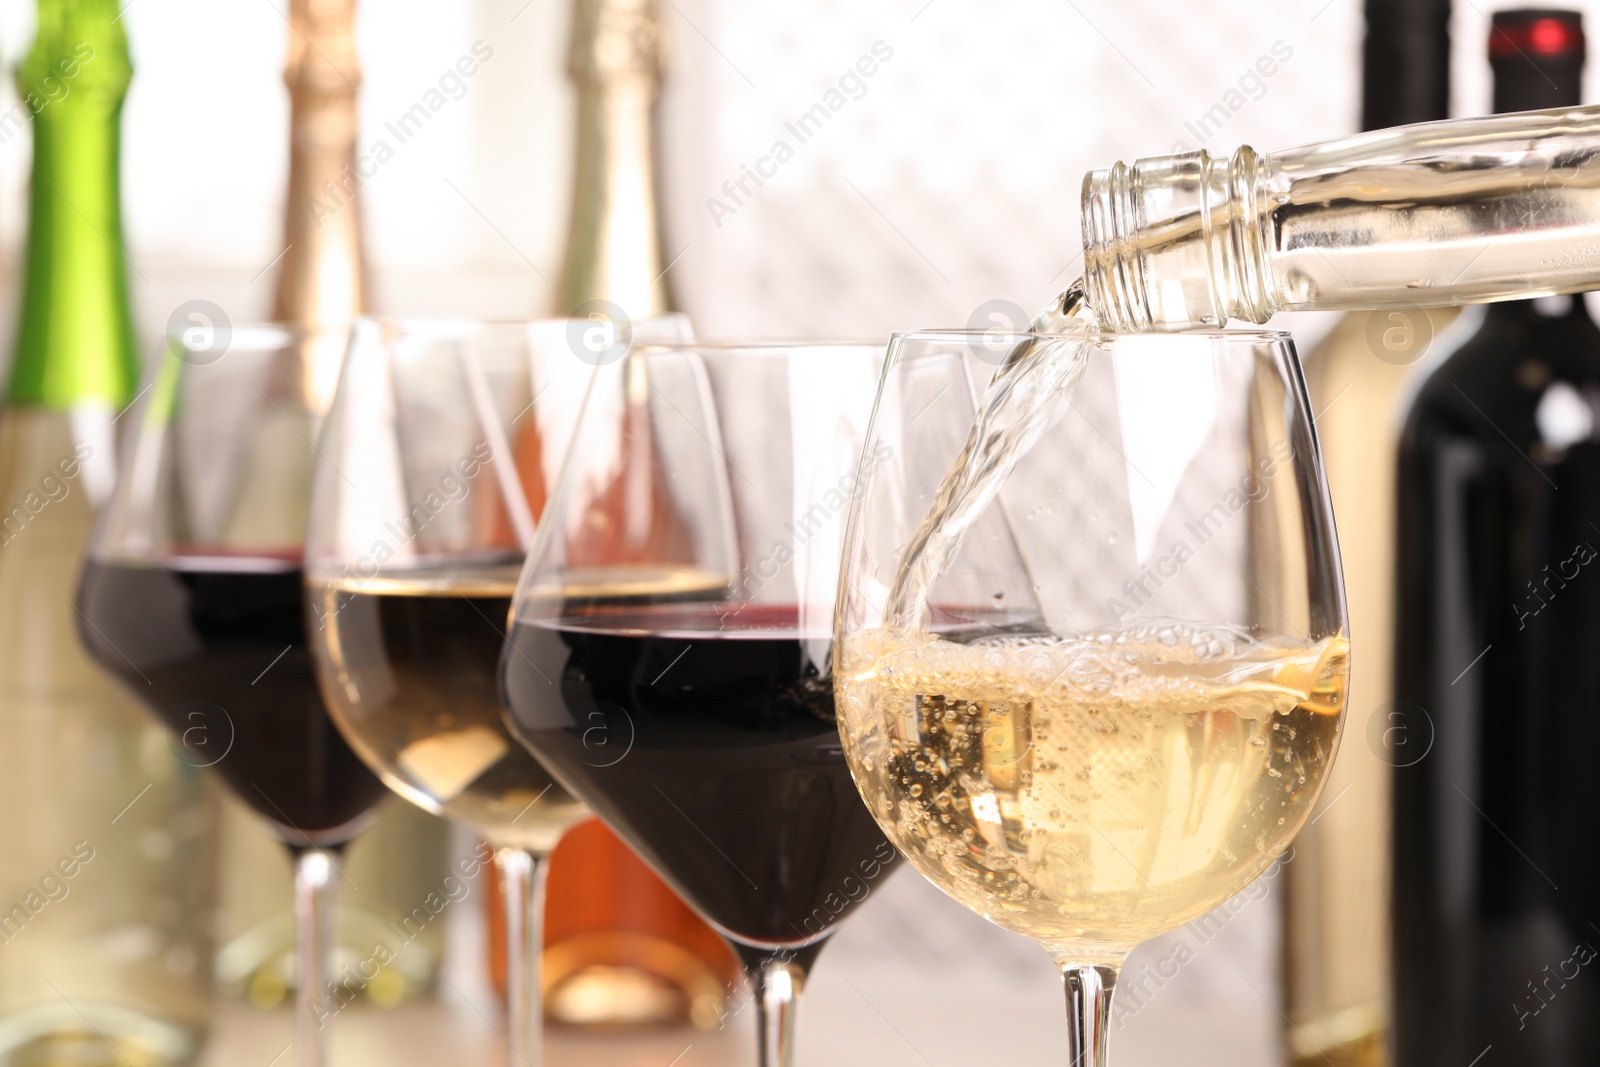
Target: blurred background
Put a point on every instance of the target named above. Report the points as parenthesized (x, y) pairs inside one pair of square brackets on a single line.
[(951, 180), (947, 179)]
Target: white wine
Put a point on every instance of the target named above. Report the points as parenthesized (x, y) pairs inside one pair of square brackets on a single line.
[(409, 664), (1093, 790)]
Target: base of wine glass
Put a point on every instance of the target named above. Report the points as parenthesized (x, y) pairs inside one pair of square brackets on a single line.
[(91, 1033)]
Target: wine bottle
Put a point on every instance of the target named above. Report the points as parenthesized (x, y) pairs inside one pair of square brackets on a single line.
[(1336, 890), (1437, 213), (321, 288), (108, 831), (620, 946), (1496, 885)]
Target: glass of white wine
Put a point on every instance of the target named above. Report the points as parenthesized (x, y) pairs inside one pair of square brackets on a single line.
[(1092, 687), (429, 479)]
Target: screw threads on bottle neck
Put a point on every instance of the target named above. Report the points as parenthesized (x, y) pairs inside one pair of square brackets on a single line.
[(1243, 232), (1175, 242), (1111, 282)]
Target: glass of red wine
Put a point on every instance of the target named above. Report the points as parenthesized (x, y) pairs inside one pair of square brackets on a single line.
[(192, 596), (433, 468), (670, 643)]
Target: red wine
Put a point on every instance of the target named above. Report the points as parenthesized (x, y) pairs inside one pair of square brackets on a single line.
[(1496, 875), (708, 742), (213, 647)]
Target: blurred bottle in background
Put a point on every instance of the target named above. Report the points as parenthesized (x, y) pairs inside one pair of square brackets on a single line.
[(322, 278), (107, 830), (621, 948), (615, 244), (322, 286), (1336, 905), (1496, 876)]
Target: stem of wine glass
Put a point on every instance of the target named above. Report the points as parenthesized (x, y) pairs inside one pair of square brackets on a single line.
[(315, 874), (1089, 987), (522, 880), (778, 980)]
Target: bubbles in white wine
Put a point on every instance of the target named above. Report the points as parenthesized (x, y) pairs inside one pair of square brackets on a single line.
[(1098, 789)]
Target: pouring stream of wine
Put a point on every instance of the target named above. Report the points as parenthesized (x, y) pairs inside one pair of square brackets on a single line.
[(1028, 393)]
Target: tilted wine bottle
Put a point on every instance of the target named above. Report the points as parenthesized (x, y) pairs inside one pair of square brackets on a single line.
[(620, 946), (1336, 889), (107, 829), (1497, 684), (1437, 213), (322, 286)]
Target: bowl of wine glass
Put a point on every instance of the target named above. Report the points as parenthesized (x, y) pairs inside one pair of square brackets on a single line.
[(670, 651), (192, 596), (1091, 644), (442, 438)]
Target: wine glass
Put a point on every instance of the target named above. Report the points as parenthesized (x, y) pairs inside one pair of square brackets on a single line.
[(1114, 701), (669, 653), (191, 595), (442, 439)]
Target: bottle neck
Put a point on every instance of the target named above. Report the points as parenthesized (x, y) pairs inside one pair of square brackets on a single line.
[(1537, 56), (1186, 241), (1405, 63), (1202, 264), (614, 246), (322, 282), (1553, 83), (1435, 214), (1530, 78), (75, 340)]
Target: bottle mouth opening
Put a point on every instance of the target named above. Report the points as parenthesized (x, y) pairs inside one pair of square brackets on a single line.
[(1542, 35)]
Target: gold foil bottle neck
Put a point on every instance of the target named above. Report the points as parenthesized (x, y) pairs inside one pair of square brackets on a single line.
[(322, 47), (614, 244), (322, 283), (613, 39)]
